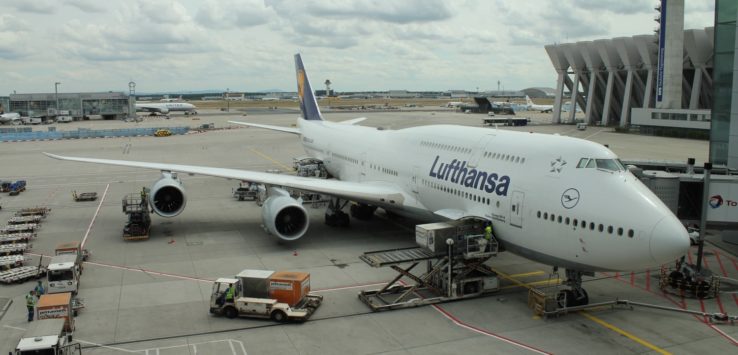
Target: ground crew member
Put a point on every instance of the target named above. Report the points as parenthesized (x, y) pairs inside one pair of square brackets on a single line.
[(39, 289), (229, 293), (488, 232), (30, 304)]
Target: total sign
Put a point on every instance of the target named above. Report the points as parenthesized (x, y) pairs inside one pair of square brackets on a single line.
[(722, 202)]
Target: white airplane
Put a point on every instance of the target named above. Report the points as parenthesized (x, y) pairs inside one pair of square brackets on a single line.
[(534, 107), (453, 104), (558, 200), (10, 118), (166, 107)]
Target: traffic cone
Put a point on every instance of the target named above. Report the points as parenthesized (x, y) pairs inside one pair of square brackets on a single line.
[(171, 241)]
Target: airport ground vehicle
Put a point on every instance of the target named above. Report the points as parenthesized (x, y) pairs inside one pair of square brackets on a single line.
[(73, 248), (47, 336), (281, 296), (246, 191), (56, 305), (581, 126), (85, 196), (136, 206), (5, 185), (17, 187), (162, 133), (63, 274)]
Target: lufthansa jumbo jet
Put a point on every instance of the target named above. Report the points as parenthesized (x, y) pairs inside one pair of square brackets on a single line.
[(561, 201)]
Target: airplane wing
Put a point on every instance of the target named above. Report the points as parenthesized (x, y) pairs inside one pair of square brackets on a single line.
[(266, 126), (377, 193)]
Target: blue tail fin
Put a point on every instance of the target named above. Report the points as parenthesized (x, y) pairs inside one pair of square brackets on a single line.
[(308, 104)]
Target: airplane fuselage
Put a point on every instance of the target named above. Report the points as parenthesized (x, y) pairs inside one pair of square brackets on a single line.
[(545, 200)]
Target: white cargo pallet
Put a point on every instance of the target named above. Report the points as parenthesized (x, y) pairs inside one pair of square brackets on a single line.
[(11, 261), (20, 274), (19, 228), (16, 237), (25, 219), (17, 248)]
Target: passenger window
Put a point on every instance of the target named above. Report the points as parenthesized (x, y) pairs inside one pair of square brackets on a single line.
[(601, 228), (545, 215), (559, 219), (591, 226), (631, 233), (566, 221), (620, 231), (609, 229)]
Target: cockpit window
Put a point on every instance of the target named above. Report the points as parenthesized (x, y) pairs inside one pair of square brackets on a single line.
[(609, 164), (604, 164)]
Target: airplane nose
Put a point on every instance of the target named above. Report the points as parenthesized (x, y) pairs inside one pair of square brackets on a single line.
[(669, 241)]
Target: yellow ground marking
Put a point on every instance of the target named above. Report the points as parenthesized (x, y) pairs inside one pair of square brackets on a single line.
[(526, 274), (589, 316), (287, 168), (623, 333), (552, 282)]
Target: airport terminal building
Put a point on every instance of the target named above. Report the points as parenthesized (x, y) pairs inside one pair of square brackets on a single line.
[(109, 105)]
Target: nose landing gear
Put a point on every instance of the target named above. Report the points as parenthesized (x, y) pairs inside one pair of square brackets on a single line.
[(575, 295)]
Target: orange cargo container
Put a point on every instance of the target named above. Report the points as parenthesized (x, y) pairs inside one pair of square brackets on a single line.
[(56, 305), (289, 286)]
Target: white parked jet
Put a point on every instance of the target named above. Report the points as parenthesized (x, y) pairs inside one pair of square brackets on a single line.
[(534, 107), (166, 107), (10, 118), (561, 201)]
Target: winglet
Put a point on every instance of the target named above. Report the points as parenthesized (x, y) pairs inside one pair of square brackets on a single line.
[(308, 103)]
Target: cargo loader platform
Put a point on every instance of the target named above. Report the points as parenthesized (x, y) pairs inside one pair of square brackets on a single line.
[(454, 254)]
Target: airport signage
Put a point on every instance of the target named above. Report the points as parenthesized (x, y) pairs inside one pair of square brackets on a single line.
[(722, 202)]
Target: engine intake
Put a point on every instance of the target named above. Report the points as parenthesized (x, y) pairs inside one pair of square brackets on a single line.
[(283, 216), (167, 196)]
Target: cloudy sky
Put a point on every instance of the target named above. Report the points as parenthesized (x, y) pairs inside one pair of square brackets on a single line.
[(247, 45)]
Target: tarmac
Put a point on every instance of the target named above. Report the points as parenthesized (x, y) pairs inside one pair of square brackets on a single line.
[(151, 297)]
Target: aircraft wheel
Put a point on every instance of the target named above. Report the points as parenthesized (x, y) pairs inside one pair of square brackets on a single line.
[(279, 316), (675, 279), (230, 312), (701, 289)]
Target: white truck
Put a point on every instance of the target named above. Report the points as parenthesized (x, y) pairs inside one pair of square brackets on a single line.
[(47, 336), (281, 296), (63, 274)]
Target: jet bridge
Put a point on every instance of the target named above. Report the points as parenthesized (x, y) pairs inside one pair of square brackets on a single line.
[(454, 253)]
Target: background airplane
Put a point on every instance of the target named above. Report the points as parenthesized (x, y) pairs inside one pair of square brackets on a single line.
[(534, 107), (10, 118), (166, 107), (558, 200)]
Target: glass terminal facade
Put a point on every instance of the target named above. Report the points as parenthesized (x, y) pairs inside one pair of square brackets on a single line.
[(721, 152)]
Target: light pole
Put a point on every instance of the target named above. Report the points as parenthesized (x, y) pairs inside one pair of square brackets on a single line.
[(228, 101), (56, 96)]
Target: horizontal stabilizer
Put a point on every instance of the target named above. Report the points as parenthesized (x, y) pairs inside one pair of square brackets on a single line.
[(266, 126), (353, 121)]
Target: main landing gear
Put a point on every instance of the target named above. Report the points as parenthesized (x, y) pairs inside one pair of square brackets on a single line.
[(362, 212), (334, 215), (575, 295)]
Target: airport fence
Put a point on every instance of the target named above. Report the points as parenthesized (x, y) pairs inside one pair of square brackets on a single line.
[(25, 135)]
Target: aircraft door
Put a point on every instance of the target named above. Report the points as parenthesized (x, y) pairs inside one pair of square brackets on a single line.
[(414, 180), (516, 209), (479, 150), (363, 167)]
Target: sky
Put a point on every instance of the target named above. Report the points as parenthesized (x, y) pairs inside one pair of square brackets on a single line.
[(248, 45)]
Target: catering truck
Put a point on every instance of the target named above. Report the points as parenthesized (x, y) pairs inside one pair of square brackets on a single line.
[(281, 296)]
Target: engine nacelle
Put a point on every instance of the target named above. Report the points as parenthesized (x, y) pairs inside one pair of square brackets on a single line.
[(283, 216), (167, 196)]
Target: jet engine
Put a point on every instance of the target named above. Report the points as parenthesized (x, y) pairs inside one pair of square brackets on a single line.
[(283, 216), (167, 196)]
